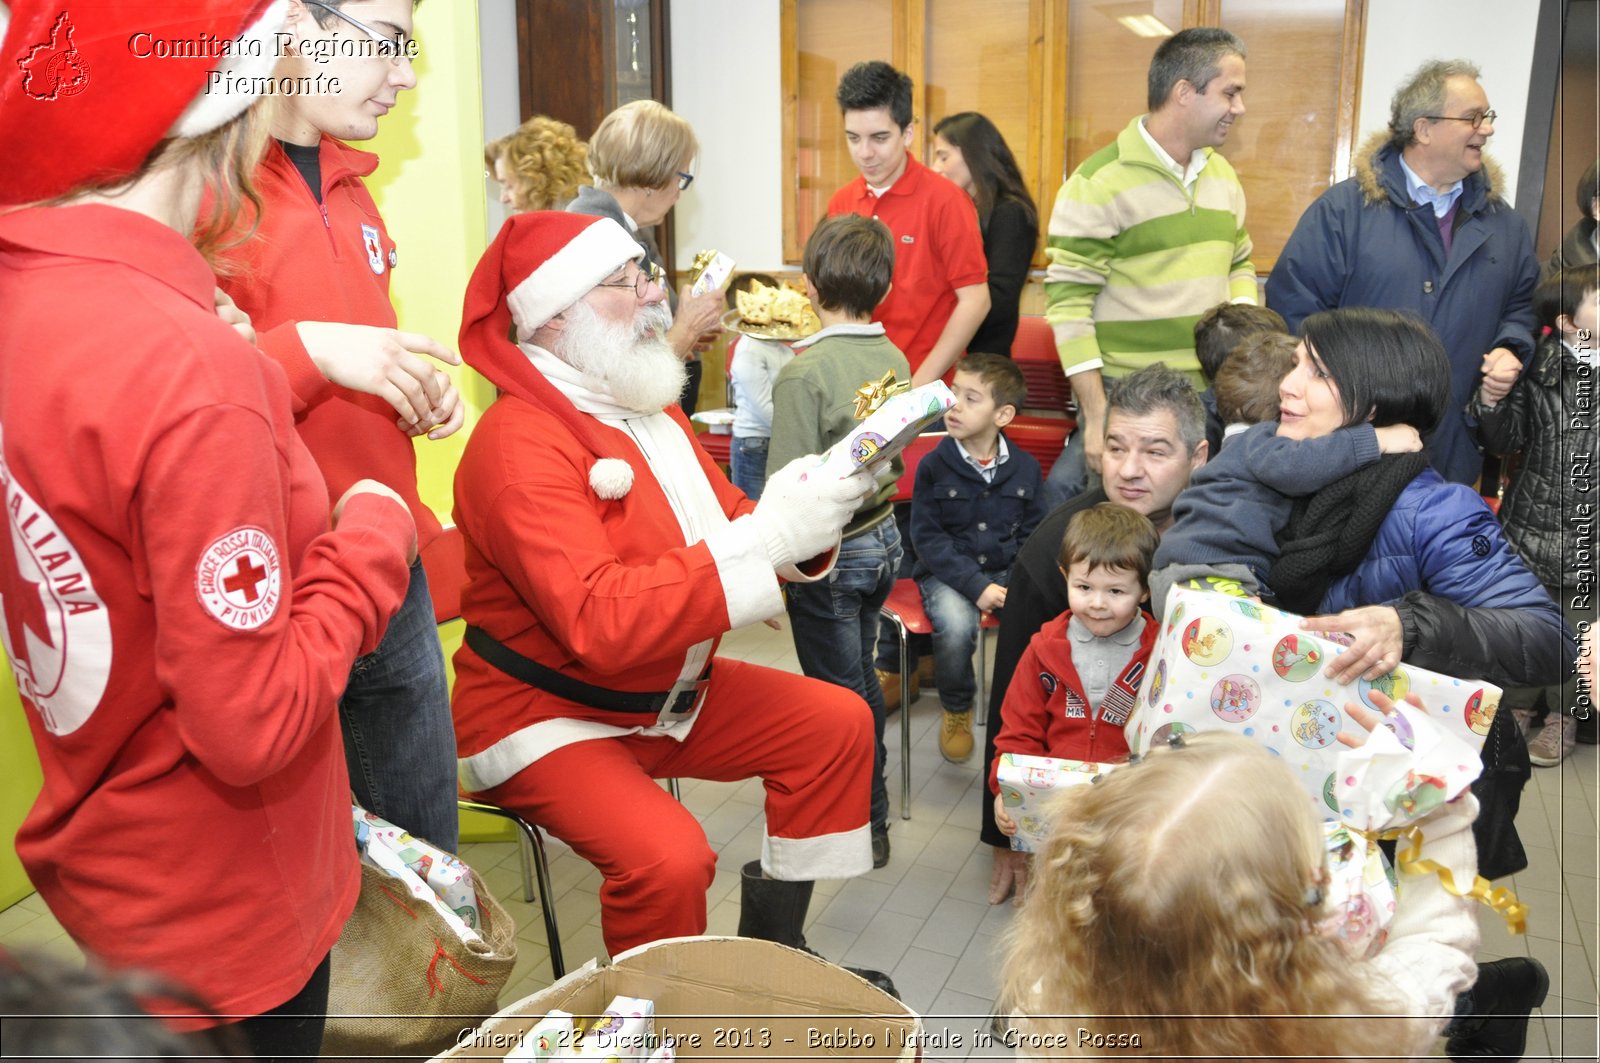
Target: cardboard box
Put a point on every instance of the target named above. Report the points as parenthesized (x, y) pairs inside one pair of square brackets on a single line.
[(723, 998), (1026, 786), (1223, 663)]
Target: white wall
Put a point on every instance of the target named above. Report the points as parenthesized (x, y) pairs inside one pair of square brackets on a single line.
[(502, 108), (726, 81), (1497, 35)]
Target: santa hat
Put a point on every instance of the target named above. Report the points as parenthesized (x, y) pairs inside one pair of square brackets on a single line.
[(87, 90), (540, 264)]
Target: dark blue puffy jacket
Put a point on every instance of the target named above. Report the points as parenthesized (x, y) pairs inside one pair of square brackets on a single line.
[(1482, 613)]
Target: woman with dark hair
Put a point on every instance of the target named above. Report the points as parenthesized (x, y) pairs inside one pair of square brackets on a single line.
[(1416, 571), (1414, 568), (969, 150), (1581, 245)]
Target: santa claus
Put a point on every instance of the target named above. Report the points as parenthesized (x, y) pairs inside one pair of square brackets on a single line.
[(606, 555)]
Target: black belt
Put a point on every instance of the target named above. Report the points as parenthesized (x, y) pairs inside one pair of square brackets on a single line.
[(551, 681)]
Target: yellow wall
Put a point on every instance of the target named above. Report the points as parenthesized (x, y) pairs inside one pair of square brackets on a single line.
[(19, 784), (429, 186)]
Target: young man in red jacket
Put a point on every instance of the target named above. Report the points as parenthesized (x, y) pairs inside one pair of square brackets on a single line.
[(314, 280)]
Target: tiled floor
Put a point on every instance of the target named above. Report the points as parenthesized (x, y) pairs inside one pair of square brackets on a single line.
[(925, 917)]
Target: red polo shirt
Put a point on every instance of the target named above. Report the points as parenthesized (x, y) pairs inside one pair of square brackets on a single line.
[(937, 249)]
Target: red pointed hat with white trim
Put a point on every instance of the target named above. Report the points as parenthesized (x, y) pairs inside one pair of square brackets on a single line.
[(89, 87), (539, 264)]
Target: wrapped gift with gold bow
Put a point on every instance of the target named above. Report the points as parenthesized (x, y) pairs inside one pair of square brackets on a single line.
[(892, 414)]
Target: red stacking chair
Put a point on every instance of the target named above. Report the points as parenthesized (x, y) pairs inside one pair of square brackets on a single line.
[(903, 609), (1047, 417)]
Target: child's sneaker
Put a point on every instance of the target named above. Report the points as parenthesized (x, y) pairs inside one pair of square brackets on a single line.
[(955, 736), (1552, 744), (1524, 718)]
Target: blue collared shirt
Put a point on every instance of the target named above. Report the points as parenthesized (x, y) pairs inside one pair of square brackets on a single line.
[(1421, 192)]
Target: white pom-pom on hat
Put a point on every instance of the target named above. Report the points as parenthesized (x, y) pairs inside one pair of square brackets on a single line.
[(611, 478)]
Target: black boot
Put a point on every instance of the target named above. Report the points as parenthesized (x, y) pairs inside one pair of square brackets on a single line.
[(774, 910), (1496, 1027)]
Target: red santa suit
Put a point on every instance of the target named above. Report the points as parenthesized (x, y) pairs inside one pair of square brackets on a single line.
[(178, 615), (1046, 712), (604, 545)]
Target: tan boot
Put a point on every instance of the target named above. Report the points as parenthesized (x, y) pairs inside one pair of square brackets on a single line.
[(890, 681), (924, 669), (955, 736)]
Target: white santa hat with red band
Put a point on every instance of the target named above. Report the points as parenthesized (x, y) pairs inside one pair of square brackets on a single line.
[(88, 89), (540, 264)]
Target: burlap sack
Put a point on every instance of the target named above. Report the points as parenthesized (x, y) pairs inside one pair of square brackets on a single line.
[(402, 983)]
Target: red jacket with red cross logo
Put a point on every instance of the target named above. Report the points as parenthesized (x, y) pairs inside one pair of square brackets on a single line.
[(178, 616), (327, 262)]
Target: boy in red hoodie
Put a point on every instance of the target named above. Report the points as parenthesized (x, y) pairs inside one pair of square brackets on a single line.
[(314, 279), (1076, 682)]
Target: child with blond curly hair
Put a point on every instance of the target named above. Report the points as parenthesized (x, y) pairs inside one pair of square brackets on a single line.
[(1177, 908)]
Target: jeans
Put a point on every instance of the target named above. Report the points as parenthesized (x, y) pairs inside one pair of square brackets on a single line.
[(399, 741), (1070, 476), (747, 461), (955, 619), (836, 629)]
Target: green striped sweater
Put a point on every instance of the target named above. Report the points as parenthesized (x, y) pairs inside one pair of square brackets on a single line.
[(1135, 259)]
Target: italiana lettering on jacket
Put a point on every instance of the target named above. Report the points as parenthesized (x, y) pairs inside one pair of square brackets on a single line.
[(57, 631)]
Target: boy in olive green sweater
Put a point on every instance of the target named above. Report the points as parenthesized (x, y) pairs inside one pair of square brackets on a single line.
[(849, 261)]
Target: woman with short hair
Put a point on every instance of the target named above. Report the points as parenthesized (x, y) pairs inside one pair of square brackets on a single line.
[(642, 159)]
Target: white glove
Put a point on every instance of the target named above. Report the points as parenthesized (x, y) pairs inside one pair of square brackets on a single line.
[(802, 511)]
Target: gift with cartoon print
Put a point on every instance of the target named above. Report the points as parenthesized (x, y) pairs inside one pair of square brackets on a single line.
[(1029, 784), (1226, 663)]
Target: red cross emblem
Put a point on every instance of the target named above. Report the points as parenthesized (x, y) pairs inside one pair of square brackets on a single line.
[(240, 579), (247, 576)]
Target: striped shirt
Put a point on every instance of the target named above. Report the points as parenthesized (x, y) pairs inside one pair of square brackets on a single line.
[(1135, 258)]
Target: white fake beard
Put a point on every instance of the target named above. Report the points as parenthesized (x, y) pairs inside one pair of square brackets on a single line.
[(633, 364)]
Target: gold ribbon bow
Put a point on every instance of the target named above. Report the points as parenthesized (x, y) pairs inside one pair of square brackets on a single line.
[(875, 393), (1410, 861)]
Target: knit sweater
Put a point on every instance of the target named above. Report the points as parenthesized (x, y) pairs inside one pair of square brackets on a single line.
[(1135, 258), (813, 402)]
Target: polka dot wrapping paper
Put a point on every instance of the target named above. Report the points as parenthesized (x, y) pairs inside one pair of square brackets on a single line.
[(1225, 663)]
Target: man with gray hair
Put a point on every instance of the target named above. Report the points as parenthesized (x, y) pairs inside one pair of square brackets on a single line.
[(1146, 236), (1423, 227)]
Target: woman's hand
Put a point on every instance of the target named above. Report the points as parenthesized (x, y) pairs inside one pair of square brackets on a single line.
[(1377, 641), (233, 317), (382, 490), (698, 316)]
